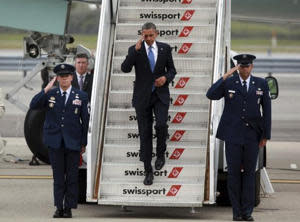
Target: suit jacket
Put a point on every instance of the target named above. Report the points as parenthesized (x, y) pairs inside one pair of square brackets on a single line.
[(243, 110), (144, 78), (68, 122), (87, 84)]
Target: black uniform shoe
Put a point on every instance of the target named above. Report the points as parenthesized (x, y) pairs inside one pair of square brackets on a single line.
[(58, 213), (237, 218), (159, 163), (67, 213), (248, 218), (148, 178)]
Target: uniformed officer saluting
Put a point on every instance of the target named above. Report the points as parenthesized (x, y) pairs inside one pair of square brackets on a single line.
[(245, 126), (65, 134)]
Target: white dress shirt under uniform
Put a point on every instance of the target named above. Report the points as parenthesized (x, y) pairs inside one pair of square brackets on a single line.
[(68, 91), (247, 81)]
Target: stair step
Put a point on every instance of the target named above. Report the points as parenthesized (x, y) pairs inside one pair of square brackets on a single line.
[(180, 83), (109, 200), (179, 49), (182, 65), (168, 3), (128, 117), (168, 32), (174, 154), (134, 172), (161, 15), (158, 194), (130, 135), (123, 99)]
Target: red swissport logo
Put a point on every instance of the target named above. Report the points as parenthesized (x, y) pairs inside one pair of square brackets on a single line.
[(187, 2), (175, 172), (180, 100), (176, 154), (179, 117), (182, 82), (185, 48), (177, 135), (186, 31), (173, 190), (187, 15)]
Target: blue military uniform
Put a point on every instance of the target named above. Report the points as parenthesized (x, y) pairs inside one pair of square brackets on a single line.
[(65, 133), (246, 119)]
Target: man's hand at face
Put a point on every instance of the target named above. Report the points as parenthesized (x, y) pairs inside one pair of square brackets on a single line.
[(50, 85), (138, 45), (160, 81), (230, 72)]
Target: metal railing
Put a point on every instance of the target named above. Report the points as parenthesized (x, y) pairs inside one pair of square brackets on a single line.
[(261, 65), (18, 63)]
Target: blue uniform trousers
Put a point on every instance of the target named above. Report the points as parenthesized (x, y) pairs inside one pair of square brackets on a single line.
[(241, 186), (65, 164), (145, 124)]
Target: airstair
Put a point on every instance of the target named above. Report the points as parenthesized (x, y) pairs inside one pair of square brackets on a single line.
[(189, 27)]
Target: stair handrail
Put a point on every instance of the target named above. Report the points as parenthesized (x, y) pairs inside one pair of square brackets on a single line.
[(216, 107), (99, 98)]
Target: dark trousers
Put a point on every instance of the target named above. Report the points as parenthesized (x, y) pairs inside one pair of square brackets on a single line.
[(241, 186), (64, 164), (145, 124)]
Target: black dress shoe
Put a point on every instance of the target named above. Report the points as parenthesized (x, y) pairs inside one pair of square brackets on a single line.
[(248, 218), (67, 213), (237, 218), (58, 213), (148, 178), (159, 163)]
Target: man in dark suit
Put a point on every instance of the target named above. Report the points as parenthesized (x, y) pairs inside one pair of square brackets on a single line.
[(65, 134), (83, 79), (244, 128), (154, 70)]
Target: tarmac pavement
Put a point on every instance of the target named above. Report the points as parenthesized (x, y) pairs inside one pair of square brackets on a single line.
[(31, 199)]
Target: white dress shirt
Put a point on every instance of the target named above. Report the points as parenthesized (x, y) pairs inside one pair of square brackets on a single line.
[(247, 81), (79, 76), (68, 91), (154, 50)]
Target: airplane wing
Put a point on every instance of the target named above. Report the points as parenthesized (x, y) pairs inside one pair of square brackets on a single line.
[(48, 16)]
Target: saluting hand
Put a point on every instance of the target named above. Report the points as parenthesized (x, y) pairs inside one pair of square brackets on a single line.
[(138, 45), (50, 85), (160, 81), (230, 72)]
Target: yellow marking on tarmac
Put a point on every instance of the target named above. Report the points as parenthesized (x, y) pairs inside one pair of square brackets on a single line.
[(285, 181), (25, 177)]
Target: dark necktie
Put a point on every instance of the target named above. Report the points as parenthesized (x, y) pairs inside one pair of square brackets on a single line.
[(81, 82), (64, 97), (245, 87)]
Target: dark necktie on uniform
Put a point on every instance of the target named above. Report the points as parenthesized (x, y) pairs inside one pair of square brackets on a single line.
[(152, 62), (245, 87), (64, 97), (81, 82)]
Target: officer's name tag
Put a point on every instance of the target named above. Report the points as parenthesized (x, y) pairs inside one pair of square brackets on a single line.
[(77, 102), (231, 91), (259, 92)]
